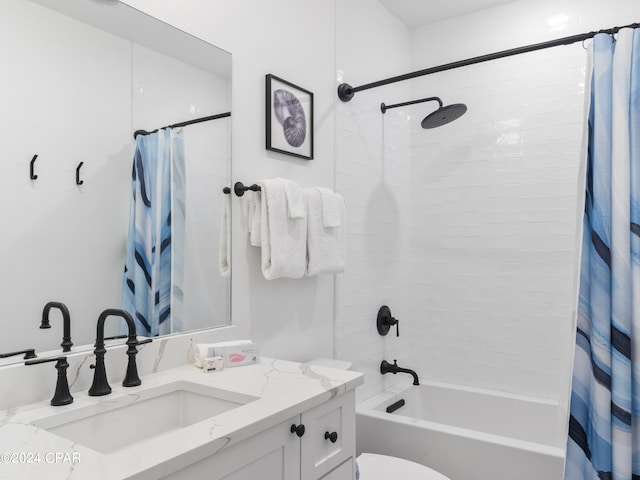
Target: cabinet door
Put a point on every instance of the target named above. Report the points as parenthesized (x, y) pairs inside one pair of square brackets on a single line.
[(271, 455), (329, 438)]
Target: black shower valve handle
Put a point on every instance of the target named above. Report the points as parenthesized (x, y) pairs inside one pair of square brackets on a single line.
[(385, 321), (394, 321)]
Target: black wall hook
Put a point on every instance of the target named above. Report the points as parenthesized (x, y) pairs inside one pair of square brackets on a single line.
[(78, 181), (32, 175)]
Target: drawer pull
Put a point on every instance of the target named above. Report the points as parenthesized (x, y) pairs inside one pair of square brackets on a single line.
[(332, 437), (297, 429)]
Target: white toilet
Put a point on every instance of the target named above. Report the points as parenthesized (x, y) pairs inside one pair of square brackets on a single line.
[(382, 467), (372, 466)]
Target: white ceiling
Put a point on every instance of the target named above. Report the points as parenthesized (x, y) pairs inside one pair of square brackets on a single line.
[(415, 13)]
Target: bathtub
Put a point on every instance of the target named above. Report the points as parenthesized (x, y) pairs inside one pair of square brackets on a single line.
[(465, 433)]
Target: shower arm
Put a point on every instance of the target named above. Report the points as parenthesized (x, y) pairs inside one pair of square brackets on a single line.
[(384, 108)]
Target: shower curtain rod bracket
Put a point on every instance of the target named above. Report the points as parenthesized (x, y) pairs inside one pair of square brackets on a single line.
[(345, 92)]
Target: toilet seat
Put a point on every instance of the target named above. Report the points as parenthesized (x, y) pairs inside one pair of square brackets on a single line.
[(382, 467)]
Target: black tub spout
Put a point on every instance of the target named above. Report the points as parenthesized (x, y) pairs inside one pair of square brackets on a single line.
[(386, 367)]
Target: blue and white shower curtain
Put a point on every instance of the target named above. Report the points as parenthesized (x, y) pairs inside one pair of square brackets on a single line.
[(604, 428), (148, 288)]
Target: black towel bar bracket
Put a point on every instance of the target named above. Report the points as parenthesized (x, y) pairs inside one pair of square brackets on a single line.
[(239, 188)]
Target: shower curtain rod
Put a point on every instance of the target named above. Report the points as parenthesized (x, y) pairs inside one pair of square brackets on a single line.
[(346, 91), (184, 124)]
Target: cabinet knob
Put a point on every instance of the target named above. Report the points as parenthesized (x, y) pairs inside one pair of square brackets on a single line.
[(332, 437), (297, 429)]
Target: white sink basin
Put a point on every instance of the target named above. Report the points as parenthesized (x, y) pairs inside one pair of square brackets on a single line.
[(111, 426)]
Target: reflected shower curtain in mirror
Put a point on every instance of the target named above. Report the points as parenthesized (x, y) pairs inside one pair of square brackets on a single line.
[(149, 289), (604, 432)]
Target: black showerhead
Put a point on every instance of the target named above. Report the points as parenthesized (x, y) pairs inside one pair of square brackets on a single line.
[(444, 115)]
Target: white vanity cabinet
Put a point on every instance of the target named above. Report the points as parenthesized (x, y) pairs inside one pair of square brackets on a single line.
[(319, 455), (325, 451)]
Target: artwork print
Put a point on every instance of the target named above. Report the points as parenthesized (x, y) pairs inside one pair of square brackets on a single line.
[(289, 111)]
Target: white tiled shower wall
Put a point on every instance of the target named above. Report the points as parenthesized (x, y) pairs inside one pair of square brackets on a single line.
[(484, 241), (372, 173), (495, 198)]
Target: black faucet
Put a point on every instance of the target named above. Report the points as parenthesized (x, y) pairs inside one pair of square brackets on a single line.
[(66, 320), (62, 396), (100, 385), (386, 367)]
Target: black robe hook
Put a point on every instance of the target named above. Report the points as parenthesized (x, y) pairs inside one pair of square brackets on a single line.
[(32, 175), (78, 181)]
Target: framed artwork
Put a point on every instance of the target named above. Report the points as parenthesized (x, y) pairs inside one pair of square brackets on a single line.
[(289, 118)]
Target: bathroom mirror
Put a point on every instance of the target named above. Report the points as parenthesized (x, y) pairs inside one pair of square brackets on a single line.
[(79, 77)]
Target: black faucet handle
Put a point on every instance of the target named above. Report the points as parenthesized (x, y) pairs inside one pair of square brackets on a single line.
[(146, 340), (28, 353), (62, 396)]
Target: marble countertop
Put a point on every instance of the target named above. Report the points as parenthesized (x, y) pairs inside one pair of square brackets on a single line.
[(282, 388)]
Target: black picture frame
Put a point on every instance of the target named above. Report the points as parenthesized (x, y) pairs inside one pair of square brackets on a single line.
[(289, 118)]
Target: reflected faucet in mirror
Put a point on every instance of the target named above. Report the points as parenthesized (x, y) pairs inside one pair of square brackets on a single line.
[(66, 323), (28, 353), (100, 385)]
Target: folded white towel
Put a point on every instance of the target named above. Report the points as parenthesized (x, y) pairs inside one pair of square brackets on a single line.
[(254, 218), (296, 206), (283, 239), (326, 246), (224, 252), (331, 204)]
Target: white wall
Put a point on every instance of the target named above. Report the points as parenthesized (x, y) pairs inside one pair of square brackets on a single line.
[(495, 197), (372, 173), (294, 40)]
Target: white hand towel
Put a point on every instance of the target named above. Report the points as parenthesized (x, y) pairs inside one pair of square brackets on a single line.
[(224, 252), (283, 239), (331, 203), (326, 246), (254, 218), (296, 206)]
